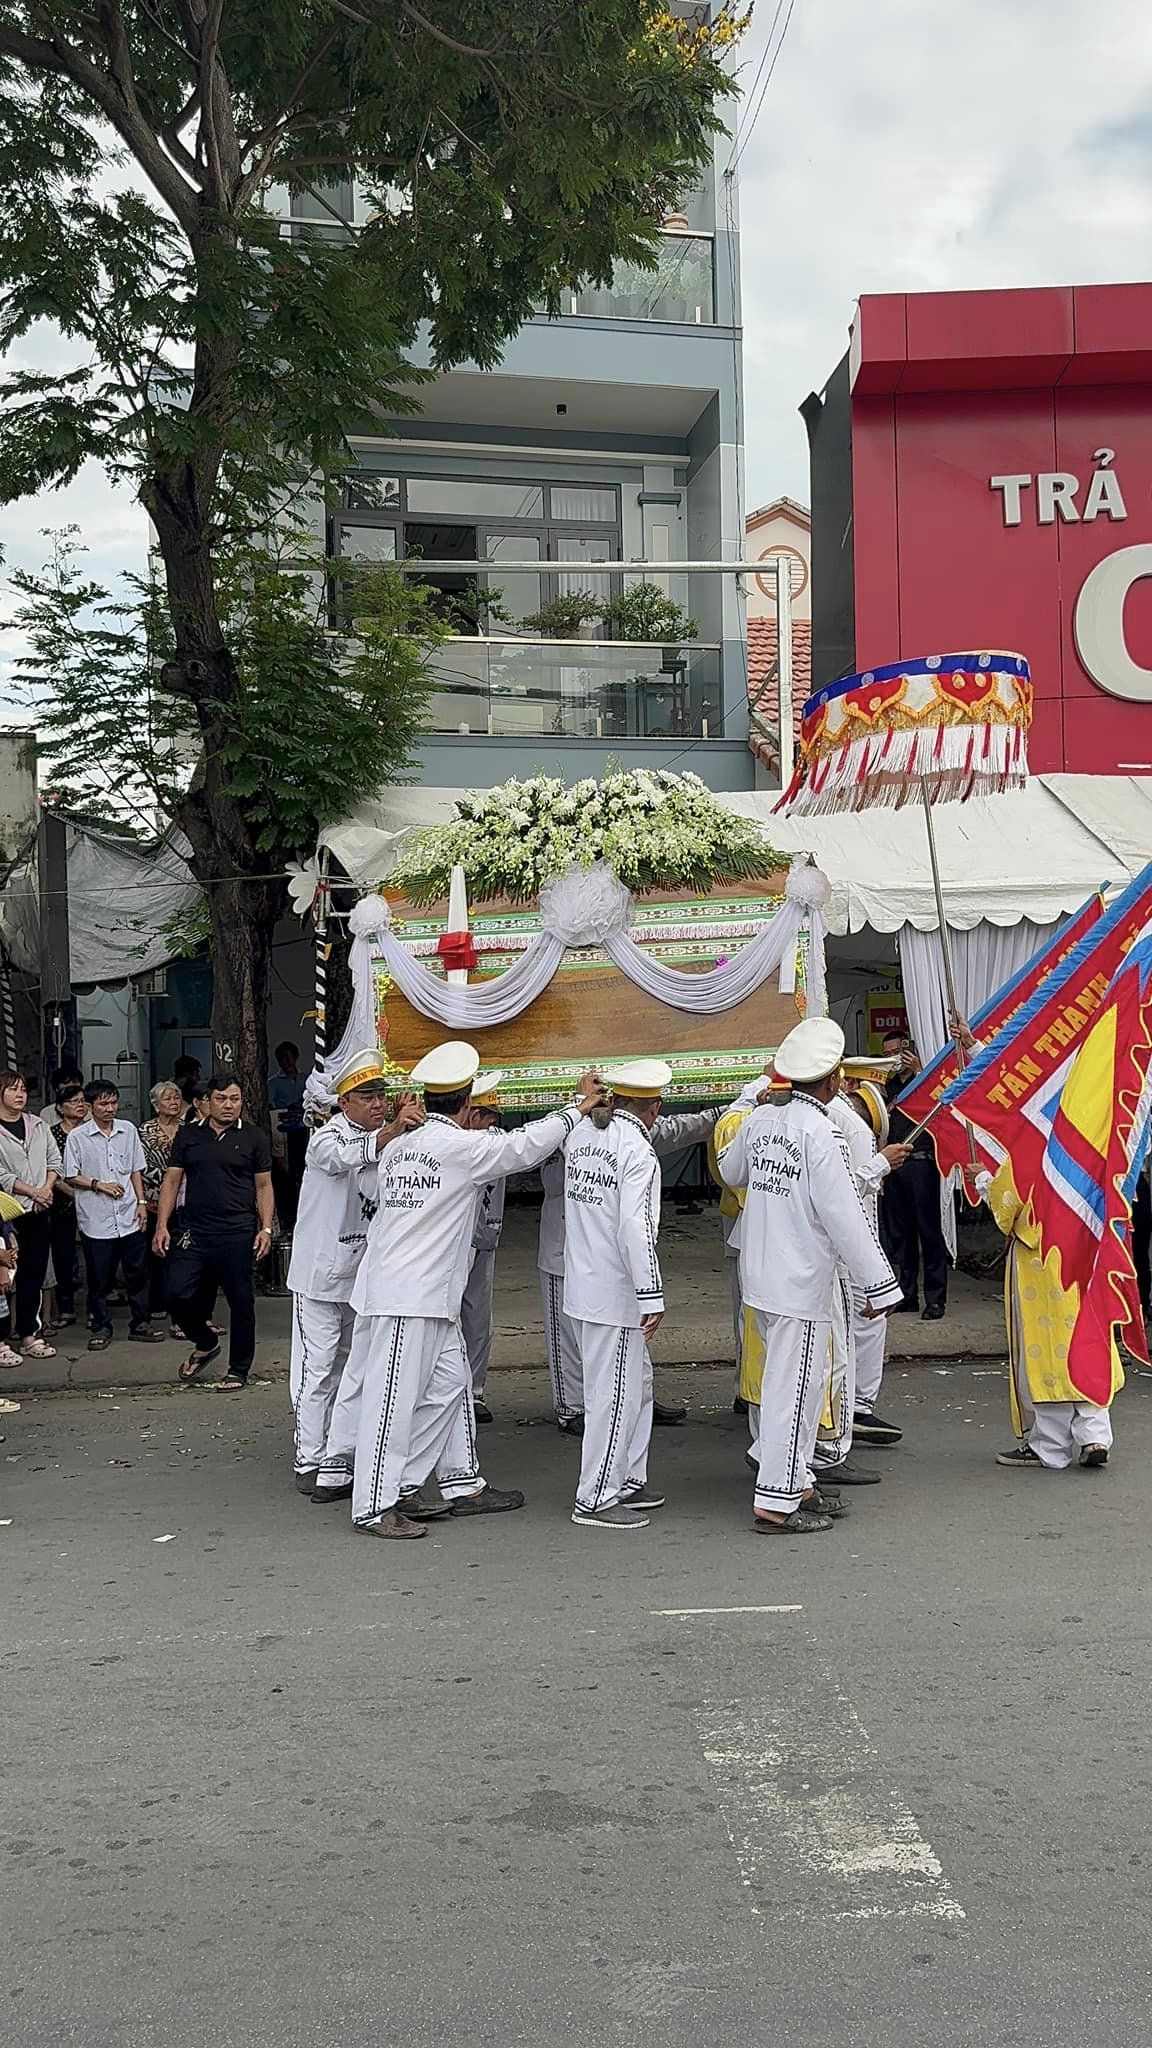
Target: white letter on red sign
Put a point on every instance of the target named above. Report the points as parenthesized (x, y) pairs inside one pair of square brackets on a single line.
[(1011, 487), (1056, 493), (1098, 624)]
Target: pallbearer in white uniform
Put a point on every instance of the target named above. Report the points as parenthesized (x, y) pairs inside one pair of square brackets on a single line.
[(614, 1293), (802, 1219), (476, 1306), (337, 1203), (873, 1159), (417, 1389), (669, 1134)]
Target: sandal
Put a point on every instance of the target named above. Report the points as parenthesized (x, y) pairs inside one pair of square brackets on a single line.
[(231, 1385), (99, 1340), (9, 1360), (190, 1368), (35, 1347), (801, 1522)]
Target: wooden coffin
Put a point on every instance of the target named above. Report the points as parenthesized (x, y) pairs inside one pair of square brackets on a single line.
[(591, 1013)]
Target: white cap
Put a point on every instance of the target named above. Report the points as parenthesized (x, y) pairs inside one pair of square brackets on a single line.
[(484, 1089), (640, 1078), (363, 1069), (446, 1068), (810, 1051)]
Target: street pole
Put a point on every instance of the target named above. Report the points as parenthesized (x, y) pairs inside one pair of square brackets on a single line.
[(784, 666)]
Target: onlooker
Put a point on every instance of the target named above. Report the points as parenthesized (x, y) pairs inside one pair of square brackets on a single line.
[(71, 1111), (9, 1214), (910, 1219), (186, 1074), (30, 1165), (225, 1169), (289, 1135), (104, 1164), (157, 1137)]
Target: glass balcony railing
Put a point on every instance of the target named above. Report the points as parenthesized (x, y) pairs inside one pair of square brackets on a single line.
[(576, 689), (680, 289)]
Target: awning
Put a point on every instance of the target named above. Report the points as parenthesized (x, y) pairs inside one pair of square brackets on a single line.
[(1036, 853)]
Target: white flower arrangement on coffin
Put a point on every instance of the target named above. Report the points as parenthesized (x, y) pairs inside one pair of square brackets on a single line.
[(652, 828)]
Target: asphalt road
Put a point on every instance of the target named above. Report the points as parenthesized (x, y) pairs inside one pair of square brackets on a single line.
[(270, 1783)]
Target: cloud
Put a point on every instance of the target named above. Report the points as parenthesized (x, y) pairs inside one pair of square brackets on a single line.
[(912, 147)]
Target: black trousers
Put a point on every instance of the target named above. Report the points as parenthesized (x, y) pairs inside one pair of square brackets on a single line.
[(197, 1266), (101, 1257), (63, 1220), (912, 1231), (33, 1244)]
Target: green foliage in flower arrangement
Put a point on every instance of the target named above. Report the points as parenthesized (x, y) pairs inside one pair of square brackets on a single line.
[(653, 828)]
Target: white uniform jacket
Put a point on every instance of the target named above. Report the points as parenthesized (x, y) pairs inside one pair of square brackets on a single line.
[(611, 1220), (337, 1203), (420, 1241), (869, 1166), (802, 1215), (669, 1134)]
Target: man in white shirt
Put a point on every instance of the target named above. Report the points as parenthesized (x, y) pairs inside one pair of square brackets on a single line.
[(104, 1167), (614, 1293), (417, 1389), (803, 1222), (562, 1346), (337, 1203), (476, 1305)]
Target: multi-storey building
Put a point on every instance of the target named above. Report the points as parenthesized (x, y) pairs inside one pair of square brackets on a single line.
[(608, 434)]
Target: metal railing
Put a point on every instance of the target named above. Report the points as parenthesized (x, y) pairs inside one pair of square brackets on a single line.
[(681, 289), (576, 689)]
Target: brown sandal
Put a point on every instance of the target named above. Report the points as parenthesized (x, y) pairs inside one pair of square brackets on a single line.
[(801, 1522), (190, 1368)]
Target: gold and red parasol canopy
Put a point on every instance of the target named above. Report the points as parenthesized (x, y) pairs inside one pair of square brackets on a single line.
[(936, 730)]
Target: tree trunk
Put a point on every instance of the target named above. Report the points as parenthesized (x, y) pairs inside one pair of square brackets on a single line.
[(243, 916)]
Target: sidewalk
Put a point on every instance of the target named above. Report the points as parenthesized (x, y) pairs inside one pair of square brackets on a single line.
[(696, 1331)]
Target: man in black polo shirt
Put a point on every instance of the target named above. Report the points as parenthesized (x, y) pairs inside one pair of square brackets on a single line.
[(225, 1168)]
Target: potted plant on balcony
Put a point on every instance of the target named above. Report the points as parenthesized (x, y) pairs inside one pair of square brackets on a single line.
[(568, 617), (645, 612)]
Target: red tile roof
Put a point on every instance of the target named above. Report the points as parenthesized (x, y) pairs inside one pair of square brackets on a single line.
[(763, 691)]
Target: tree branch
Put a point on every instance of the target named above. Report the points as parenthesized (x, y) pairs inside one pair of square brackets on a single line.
[(61, 59), (441, 35)]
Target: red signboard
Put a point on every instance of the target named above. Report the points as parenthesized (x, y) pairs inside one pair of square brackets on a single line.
[(1002, 497)]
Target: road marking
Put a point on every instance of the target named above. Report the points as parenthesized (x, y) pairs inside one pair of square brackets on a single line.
[(814, 1827), (725, 1610)]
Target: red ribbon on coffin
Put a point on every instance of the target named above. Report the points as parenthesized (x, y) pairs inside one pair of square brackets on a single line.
[(457, 951)]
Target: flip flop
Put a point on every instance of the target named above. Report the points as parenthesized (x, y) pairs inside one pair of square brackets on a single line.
[(190, 1368), (230, 1384)]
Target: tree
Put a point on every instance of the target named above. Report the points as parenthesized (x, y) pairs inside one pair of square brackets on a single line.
[(504, 149)]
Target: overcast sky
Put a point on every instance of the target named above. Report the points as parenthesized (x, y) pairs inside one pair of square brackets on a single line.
[(901, 145)]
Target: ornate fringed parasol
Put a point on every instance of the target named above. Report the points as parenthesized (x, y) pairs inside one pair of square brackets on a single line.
[(938, 730)]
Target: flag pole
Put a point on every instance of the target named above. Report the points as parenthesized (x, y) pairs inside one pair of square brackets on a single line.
[(946, 952)]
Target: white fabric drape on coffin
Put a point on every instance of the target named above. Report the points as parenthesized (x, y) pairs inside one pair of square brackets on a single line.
[(983, 959)]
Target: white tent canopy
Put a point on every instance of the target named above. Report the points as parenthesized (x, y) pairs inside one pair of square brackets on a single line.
[(1036, 853)]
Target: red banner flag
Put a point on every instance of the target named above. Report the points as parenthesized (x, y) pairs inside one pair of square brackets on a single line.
[(948, 1131), (1014, 1083)]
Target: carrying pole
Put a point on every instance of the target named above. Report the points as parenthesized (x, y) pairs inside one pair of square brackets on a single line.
[(946, 952)]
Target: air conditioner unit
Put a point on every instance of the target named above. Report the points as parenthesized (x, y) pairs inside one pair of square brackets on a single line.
[(155, 983)]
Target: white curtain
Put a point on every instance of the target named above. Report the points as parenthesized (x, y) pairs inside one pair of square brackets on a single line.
[(983, 959)]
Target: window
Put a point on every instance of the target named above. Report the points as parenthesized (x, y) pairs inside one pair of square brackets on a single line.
[(368, 490), (585, 502), (472, 498), (363, 541)]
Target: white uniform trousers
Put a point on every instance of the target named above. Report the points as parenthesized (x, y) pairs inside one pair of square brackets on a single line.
[(1059, 1430), (476, 1316), (415, 1405), (791, 1404), (562, 1343), (871, 1338), (617, 1413), (321, 1340), (833, 1445), (732, 1261)]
